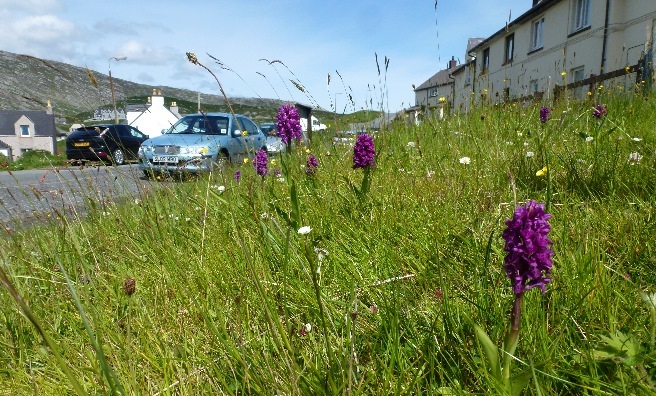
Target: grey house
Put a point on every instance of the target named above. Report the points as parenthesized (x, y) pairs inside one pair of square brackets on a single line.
[(25, 130)]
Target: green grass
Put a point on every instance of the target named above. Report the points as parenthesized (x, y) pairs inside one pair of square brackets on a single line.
[(225, 285)]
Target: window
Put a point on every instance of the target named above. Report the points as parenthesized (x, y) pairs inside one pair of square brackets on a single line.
[(486, 61), (533, 86), (581, 15), (432, 92), (537, 34), (25, 130), (250, 128), (510, 48), (468, 75), (578, 74)]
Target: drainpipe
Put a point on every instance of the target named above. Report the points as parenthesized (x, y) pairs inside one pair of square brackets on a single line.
[(603, 45), (473, 86), (453, 91)]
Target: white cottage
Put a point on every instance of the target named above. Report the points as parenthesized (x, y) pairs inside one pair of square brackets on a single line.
[(154, 117)]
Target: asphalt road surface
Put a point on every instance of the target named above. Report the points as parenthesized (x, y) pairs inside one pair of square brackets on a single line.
[(31, 196)]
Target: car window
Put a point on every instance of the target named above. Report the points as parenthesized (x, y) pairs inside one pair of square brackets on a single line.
[(136, 133), (123, 131), (215, 125), (248, 125)]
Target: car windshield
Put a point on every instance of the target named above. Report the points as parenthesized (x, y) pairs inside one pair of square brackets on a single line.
[(201, 124), (268, 129)]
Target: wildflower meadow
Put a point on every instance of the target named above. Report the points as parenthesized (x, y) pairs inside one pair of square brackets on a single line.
[(508, 250)]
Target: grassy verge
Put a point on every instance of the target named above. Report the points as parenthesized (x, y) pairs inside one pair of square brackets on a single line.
[(206, 285)]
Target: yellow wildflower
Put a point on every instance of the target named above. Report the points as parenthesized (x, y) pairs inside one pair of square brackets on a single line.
[(589, 93), (442, 99), (245, 160), (307, 151), (245, 133), (601, 87), (563, 73), (542, 172), (273, 162)]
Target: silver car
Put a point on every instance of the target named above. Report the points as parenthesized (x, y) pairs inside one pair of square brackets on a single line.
[(201, 142)]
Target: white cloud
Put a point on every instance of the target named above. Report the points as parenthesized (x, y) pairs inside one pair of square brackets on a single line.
[(138, 52), (31, 6), (41, 29)]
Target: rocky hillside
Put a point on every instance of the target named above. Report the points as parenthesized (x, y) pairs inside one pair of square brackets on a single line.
[(28, 83)]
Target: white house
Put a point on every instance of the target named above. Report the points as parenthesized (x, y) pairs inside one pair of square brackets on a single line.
[(154, 117), (557, 44)]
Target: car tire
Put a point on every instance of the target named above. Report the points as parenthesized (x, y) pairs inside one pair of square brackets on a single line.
[(118, 157), (223, 159)]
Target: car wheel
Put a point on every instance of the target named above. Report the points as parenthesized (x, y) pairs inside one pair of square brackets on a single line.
[(118, 158), (223, 159)]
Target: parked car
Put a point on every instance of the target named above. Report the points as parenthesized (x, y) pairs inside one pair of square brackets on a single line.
[(113, 143), (274, 143), (201, 142)]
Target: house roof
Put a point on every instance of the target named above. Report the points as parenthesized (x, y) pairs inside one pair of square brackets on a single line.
[(44, 124), (472, 42), (542, 6), (4, 145), (440, 78)]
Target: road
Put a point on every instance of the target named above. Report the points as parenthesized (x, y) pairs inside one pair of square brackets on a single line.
[(31, 196)]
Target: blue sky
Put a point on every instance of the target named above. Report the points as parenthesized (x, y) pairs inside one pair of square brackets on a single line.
[(311, 38)]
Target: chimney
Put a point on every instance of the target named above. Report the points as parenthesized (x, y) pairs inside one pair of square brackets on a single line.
[(154, 91), (452, 63), (536, 2), (174, 109)]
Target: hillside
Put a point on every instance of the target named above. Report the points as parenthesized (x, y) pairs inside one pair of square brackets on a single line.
[(28, 83)]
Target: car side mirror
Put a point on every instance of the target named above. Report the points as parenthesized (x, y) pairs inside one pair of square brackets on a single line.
[(237, 132)]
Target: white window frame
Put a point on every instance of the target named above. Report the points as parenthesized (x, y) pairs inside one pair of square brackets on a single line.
[(580, 15), (537, 35), (432, 92), (578, 74), (24, 128), (533, 87), (509, 48)]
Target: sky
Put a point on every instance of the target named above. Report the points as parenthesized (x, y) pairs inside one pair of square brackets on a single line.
[(373, 51)]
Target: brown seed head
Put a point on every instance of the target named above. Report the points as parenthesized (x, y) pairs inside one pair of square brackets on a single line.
[(192, 58), (130, 286)]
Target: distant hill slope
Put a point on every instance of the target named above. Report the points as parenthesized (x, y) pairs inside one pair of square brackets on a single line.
[(27, 83)]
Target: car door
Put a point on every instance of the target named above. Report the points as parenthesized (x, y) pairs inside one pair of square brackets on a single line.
[(135, 139), (254, 140), (129, 143), (238, 148)]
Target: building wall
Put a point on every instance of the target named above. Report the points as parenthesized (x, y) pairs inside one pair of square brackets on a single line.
[(20, 144), (431, 96), (154, 119), (564, 51)]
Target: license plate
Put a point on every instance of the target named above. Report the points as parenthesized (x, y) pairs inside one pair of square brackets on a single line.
[(81, 144), (169, 159)]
